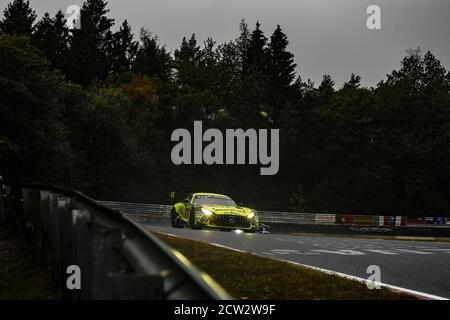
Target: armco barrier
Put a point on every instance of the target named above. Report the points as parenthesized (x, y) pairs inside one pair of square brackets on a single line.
[(162, 212), (118, 259)]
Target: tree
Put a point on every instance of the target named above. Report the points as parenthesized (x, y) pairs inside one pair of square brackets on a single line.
[(194, 99), (281, 65), (242, 42), (33, 141), (251, 104), (354, 82), (186, 63), (152, 59), (18, 18), (123, 49), (109, 141), (255, 60), (326, 87), (89, 56), (413, 115), (53, 37), (281, 69)]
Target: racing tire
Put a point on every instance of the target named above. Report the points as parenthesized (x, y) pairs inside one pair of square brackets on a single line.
[(175, 219), (192, 223)]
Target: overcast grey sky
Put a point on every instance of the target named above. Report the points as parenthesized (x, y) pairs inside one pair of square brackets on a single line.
[(326, 36)]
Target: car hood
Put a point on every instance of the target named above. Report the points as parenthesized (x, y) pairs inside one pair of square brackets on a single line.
[(228, 210)]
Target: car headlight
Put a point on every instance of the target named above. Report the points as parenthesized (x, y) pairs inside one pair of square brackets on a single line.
[(206, 212), (251, 215)]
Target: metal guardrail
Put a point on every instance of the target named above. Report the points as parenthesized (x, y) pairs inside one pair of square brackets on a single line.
[(118, 259), (162, 213), (139, 208), (293, 217)]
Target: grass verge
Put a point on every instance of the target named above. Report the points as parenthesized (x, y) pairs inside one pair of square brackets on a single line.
[(20, 277), (247, 276)]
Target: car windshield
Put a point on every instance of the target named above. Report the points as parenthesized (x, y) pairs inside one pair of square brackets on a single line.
[(213, 200)]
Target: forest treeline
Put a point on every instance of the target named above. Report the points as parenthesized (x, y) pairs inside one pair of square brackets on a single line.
[(94, 108)]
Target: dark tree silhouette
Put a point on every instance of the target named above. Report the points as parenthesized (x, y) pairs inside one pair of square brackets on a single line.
[(18, 18), (53, 37), (89, 56), (123, 49), (152, 59)]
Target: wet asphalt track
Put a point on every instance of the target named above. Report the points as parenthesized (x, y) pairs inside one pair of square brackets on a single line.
[(415, 265)]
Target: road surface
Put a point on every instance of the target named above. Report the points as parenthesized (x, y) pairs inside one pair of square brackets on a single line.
[(414, 265)]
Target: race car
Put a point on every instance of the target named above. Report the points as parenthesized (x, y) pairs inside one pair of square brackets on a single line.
[(210, 210)]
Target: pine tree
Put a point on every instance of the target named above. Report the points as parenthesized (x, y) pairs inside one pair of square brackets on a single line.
[(252, 103), (354, 82), (243, 42), (281, 73), (18, 18), (53, 37), (189, 51), (90, 46), (123, 49), (255, 60), (434, 72), (326, 87), (282, 65), (152, 59), (187, 60)]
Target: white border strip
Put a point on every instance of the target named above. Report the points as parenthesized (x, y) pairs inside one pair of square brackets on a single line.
[(335, 273), (229, 248), (213, 244)]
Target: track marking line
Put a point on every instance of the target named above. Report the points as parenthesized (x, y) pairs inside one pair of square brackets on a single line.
[(213, 244), (439, 250), (170, 234), (385, 285), (383, 252), (342, 252), (229, 248), (414, 251)]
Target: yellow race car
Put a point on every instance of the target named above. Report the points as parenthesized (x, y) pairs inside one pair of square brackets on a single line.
[(212, 210)]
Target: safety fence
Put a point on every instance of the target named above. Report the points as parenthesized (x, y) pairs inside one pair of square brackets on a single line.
[(116, 257), (162, 212)]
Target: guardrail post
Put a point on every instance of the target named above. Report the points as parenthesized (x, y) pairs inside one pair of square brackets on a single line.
[(8, 210), (67, 250), (82, 238), (2, 207), (44, 221), (28, 215), (55, 241), (36, 235), (105, 249), (17, 222)]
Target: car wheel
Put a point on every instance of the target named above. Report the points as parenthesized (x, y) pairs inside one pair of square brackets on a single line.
[(175, 219), (192, 222)]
